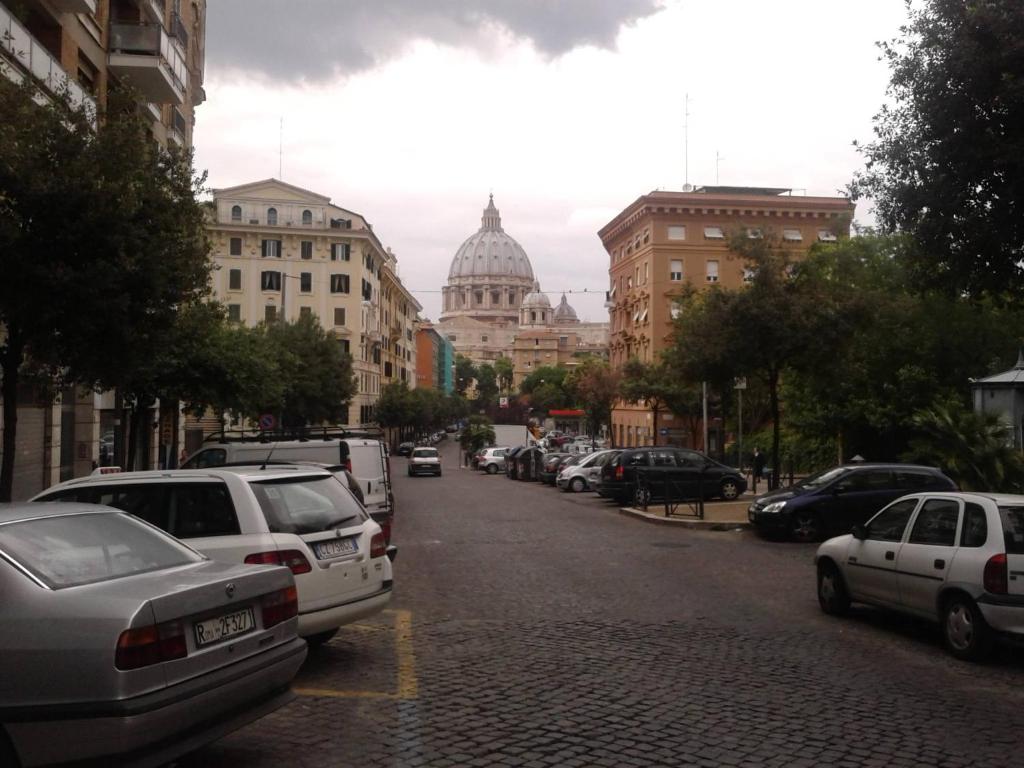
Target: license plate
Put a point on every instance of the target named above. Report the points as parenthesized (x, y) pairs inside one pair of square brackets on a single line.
[(335, 548), (223, 627)]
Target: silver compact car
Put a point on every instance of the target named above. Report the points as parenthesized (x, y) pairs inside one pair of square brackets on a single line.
[(425, 461), (954, 558), (585, 474), (121, 645)]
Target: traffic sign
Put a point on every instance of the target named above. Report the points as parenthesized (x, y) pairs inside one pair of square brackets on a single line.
[(267, 421)]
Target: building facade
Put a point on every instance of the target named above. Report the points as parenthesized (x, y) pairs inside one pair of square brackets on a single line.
[(91, 48), (283, 252), (435, 359), (667, 239)]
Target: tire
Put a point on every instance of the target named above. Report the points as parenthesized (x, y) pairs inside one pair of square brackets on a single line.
[(439, 473), (804, 526), (641, 496), (578, 485), (832, 595), (8, 757), (492, 469), (964, 630), (729, 490), (320, 638)]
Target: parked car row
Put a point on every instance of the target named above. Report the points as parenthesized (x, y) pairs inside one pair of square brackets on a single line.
[(182, 602)]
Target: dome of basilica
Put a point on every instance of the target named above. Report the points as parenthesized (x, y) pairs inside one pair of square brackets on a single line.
[(564, 313), (491, 252), (536, 299)]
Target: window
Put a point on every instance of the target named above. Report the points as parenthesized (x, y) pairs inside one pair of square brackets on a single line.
[(307, 218), (271, 249), (341, 252), (235, 280), (936, 523), (496, 298), (236, 213), (675, 270), (306, 249), (235, 246), (563, 341), (866, 480), (1013, 529), (792, 235), (825, 236), (387, 369), (643, 316), (711, 275), (201, 509), (270, 313), (344, 342), (272, 216), (675, 310), (975, 532), (748, 275), (754, 233), (235, 313), (478, 298), (888, 525), (714, 233), (483, 337), (367, 290), (306, 282), (270, 281), (340, 283), (645, 271), (663, 458), (339, 316)]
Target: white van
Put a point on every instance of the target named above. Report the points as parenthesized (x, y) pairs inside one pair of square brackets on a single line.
[(365, 458)]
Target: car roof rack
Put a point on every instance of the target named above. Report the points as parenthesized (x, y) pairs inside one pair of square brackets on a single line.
[(292, 433)]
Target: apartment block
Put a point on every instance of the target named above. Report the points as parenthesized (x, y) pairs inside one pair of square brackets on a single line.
[(400, 312), (667, 239)]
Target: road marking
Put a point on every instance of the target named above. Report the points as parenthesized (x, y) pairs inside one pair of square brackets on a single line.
[(407, 687)]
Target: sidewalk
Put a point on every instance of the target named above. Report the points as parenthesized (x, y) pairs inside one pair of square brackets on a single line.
[(718, 515)]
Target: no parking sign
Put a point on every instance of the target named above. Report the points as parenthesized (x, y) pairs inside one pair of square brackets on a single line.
[(267, 421)]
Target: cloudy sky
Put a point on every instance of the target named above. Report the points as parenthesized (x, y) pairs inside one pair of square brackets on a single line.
[(411, 111)]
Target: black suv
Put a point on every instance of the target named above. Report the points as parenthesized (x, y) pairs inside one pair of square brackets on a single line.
[(680, 473), (833, 501)]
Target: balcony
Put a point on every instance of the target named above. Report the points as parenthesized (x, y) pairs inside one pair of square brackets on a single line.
[(28, 56), (147, 57), (154, 8), (178, 130), (178, 30), (74, 6)]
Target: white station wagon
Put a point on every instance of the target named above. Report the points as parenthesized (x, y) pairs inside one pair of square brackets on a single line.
[(954, 558)]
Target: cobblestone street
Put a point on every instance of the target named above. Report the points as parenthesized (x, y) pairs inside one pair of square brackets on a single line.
[(536, 628)]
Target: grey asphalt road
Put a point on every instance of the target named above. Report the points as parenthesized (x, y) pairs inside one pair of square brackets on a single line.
[(536, 628)]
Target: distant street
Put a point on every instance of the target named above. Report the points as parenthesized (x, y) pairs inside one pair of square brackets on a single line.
[(536, 628)]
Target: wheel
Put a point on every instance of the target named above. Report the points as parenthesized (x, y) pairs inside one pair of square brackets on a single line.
[(804, 526), (492, 469), (439, 473), (964, 629), (315, 641), (641, 496), (832, 595), (729, 490), (578, 485)]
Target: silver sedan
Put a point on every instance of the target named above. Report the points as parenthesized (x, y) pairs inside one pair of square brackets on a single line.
[(118, 639)]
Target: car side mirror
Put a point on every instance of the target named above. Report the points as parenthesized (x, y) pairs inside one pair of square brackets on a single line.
[(859, 532)]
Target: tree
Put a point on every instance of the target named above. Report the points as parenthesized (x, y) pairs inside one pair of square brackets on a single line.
[(394, 407), (486, 383), (465, 373), (478, 434), (976, 450), (102, 242), (775, 323), (595, 386), (504, 371), (317, 379), (947, 162)]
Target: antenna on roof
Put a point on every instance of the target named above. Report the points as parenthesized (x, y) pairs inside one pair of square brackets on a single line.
[(269, 454)]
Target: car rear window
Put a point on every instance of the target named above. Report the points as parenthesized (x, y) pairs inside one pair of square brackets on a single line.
[(306, 505), (72, 550), (425, 453), (1013, 529)]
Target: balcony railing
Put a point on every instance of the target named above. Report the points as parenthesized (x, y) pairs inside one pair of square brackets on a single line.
[(148, 43), (20, 46)]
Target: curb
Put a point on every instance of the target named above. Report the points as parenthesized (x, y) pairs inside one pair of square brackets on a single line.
[(701, 525)]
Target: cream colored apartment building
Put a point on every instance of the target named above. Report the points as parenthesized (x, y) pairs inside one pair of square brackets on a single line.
[(91, 47), (282, 252), (667, 239)]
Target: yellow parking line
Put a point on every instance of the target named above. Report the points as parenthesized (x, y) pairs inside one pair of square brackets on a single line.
[(408, 685)]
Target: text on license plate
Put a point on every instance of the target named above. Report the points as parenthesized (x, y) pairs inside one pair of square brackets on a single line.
[(335, 547), (222, 627)]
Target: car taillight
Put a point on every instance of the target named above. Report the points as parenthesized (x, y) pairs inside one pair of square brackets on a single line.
[(279, 606), (145, 646), (291, 558), (385, 528), (348, 465), (378, 545), (620, 472), (996, 578)]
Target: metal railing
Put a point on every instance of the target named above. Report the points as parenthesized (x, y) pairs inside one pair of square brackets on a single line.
[(672, 494), (20, 46)]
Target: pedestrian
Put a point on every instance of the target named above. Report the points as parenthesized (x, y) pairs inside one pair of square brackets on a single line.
[(759, 462), (183, 457)]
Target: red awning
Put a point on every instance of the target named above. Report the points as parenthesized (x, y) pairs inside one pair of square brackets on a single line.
[(567, 412)]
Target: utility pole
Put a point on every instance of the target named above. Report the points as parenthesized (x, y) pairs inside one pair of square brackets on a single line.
[(704, 403)]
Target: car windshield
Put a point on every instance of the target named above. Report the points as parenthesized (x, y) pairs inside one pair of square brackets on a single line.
[(425, 453), (821, 479), (306, 504), (572, 460), (1013, 529), (76, 549)]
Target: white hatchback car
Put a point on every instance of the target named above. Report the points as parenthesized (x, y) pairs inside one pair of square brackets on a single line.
[(955, 558), (300, 517)]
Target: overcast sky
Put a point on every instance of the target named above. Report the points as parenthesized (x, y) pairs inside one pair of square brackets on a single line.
[(411, 111)]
